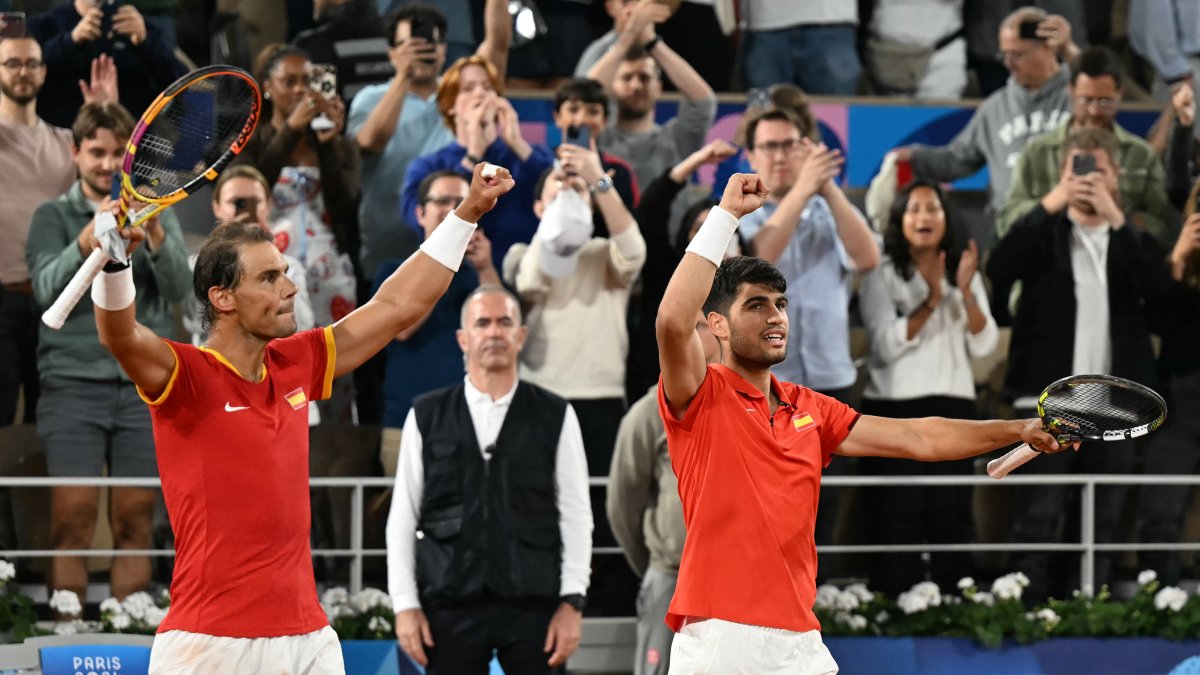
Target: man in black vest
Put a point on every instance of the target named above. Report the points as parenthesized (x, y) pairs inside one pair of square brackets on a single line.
[(489, 536)]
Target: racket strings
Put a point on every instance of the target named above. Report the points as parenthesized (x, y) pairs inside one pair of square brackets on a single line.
[(192, 132), (1095, 407)]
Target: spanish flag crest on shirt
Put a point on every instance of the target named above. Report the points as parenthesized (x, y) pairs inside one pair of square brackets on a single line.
[(296, 398), (802, 421)]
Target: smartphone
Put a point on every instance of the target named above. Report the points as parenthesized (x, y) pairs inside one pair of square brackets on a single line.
[(12, 24), (579, 135), (108, 8), (1027, 30), (324, 80), (1083, 164), (428, 31), (245, 209)]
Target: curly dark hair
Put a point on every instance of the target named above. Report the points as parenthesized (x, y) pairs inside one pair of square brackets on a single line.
[(896, 246)]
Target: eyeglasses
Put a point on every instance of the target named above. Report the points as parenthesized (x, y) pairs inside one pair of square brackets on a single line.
[(445, 201), (1100, 103), (771, 147), (15, 65), (1014, 56)]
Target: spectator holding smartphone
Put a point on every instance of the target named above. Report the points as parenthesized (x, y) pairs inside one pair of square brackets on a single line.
[(395, 122), (1096, 88), (314, 194), (74, 33), (1088, 279)]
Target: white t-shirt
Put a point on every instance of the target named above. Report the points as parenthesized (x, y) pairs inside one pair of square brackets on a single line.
[(776, 14), (1089, 266)]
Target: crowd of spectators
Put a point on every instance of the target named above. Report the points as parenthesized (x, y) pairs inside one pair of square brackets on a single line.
[(1096, 257)]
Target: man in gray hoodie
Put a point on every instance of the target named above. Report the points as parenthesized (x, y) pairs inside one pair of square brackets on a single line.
[(1034, 101)]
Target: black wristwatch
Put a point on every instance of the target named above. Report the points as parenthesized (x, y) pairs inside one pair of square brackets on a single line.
[(576, 600)]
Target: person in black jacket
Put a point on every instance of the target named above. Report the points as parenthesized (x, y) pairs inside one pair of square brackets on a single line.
[(1175, 449), (1086, 275), (663, 253), (73, 34)]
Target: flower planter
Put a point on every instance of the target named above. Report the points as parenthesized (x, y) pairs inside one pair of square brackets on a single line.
[(959, 656)]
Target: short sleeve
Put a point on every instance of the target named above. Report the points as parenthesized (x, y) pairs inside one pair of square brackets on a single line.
[(703, 394), (837, 419), (315, 351), (178, 379), (324, 359)]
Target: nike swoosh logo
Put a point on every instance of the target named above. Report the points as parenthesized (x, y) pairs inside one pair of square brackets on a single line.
[(231, 408)]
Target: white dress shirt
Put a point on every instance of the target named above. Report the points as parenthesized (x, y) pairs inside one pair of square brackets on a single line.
[(936, 361), (487, 416)]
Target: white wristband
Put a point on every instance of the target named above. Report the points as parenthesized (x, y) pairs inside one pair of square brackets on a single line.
[(712, 239), (448, 243), (114, 291)]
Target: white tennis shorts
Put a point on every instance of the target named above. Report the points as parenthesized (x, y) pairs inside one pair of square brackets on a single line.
[(176, 652), (719, 647)]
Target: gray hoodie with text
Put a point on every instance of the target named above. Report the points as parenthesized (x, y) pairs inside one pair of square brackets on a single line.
[(998, 131)]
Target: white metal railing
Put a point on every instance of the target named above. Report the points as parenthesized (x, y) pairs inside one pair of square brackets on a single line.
[(1087, 546)]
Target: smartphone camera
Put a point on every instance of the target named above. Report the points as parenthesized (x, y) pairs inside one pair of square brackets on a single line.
[(324, 82), (12, 24), (428, 31), (579, 135), (244, 209), (1083, 164), (1027, 30)]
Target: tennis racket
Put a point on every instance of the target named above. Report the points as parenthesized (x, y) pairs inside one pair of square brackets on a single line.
[(183, 140), (1089, 408)]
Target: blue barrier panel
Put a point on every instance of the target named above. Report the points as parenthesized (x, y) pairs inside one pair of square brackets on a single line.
[(864, 131), (95, 660), (1059, 656)]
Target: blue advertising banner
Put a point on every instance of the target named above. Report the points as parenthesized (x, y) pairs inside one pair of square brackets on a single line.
[(865, 132), (95, 660)]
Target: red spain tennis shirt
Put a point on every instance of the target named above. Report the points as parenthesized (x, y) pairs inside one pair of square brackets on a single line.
[(233, 457), (749, 482)]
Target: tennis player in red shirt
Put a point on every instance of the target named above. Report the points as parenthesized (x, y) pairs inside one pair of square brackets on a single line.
[(748, 450), (231, 431)]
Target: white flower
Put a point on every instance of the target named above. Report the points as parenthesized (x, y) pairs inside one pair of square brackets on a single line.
[(1170, 597), (370, 598), (984, 598), (334, 597), (920, 597), (965, 583), (65, 602), (111, 606), (1147, 577), (1010, 586), (138, 605), (911, 603), (861, 592), (7, 571), (339, 611), (378, 624), (882, 617), (120, 621), (855, 621), (155, 616), (846, 601), (67, 627), (1048, 617), (827, 595)]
